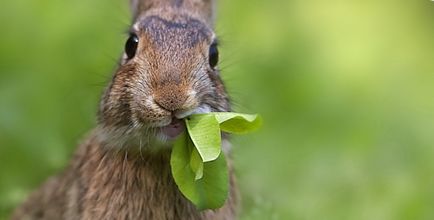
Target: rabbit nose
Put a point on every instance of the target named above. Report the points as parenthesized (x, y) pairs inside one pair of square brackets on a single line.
[(170, 98)]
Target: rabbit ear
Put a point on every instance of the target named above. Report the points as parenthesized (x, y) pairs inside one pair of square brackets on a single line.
[(139, 6), (133, 6), (207, 10), (204, 8)]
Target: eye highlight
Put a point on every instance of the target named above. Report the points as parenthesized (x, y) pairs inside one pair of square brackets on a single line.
[(213, 56), (131, 46)]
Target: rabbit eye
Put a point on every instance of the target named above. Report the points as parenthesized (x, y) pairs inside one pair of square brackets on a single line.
[(131, 45), (213, 55)]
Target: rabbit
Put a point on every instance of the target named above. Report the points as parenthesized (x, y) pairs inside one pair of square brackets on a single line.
[(167, 72)]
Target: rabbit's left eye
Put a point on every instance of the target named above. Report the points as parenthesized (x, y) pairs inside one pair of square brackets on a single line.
[(131, 45)]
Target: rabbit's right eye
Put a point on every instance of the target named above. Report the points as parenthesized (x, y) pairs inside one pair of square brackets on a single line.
[(131, 45), (213, 55)]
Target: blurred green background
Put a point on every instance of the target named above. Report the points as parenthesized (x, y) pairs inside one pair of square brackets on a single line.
[(346, 89)]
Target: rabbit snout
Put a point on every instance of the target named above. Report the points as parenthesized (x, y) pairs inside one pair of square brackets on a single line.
[(171, 97)]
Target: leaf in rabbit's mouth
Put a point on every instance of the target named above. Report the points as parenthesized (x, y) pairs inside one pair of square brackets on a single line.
[(198, 166)]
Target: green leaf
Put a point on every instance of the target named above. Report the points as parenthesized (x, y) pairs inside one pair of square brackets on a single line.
[(208, 192), (198, 166), (196, 163), (237, 123), (204, 131)]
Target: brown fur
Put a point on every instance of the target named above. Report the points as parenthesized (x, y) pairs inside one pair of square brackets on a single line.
[(103, 184), (122, 171)]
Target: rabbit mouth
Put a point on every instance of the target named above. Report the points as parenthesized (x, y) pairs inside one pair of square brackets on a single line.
[(174, 129), (161, 134), (171, 131)]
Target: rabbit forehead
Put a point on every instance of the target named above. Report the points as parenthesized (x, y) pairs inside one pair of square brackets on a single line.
[(172, 49), (179, 31)]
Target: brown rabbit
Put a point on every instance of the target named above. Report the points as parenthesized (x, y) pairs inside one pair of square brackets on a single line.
[(122, 170)]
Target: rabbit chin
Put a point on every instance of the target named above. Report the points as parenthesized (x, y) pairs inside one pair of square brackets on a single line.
[(134, 139)]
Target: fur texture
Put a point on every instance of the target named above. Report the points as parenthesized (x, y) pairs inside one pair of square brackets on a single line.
[(104, 184), (122, 170)]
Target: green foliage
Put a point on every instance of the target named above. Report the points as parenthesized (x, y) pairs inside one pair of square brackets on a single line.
[(204, 131), (198, 166), (237, 123), (211, 189)]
